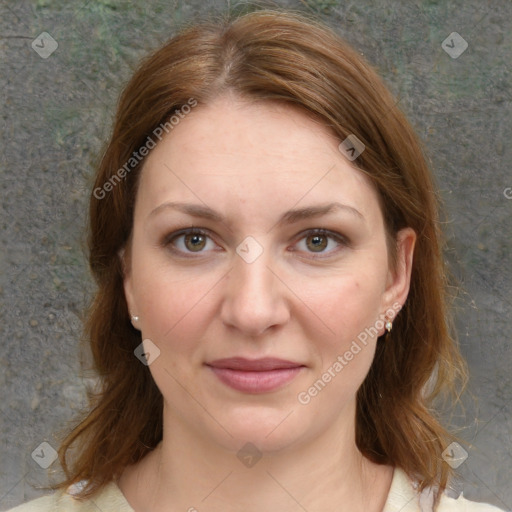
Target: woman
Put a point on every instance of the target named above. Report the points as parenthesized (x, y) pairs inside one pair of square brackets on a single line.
[(270, 322)]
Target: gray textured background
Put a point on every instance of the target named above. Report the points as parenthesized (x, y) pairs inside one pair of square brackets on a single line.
[(57, 113)]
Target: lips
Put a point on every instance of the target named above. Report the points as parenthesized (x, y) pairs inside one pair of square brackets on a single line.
[(253, 365), (256, 375)]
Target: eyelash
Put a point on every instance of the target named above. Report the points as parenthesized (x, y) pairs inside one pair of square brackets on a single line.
[(168, 240)]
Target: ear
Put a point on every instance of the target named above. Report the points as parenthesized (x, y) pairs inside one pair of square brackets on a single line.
[(124, 259), (399, 278)]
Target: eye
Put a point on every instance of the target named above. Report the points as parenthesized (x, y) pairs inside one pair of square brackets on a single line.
[(195, 240), (321, 241), (189, 241)]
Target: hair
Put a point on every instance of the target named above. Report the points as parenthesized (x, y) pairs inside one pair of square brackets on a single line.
[(285, 57)]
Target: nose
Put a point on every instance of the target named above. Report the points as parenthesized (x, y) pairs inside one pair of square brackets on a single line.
[(255, 299)]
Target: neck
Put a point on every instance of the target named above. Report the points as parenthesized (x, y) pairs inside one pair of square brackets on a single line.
[(185, 472)]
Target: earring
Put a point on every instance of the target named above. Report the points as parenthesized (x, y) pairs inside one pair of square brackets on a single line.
[(135, 319), (388, 326)]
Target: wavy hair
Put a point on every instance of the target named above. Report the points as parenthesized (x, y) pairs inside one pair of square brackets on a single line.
[(281, 56)]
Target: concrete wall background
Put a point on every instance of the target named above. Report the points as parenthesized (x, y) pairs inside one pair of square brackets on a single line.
[(57, 112)]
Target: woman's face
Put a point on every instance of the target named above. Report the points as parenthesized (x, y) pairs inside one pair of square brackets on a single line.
[(229, 273)]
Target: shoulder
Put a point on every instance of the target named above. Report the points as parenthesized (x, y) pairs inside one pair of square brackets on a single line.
[(461, 504), (45, 503), (110, 499), (403, 497)]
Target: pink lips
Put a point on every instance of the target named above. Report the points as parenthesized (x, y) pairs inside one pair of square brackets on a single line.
[(256, 375)]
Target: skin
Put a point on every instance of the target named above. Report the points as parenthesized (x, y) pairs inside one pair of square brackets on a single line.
[(251, 162)]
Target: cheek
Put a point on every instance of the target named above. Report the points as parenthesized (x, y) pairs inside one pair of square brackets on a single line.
[(173, 309), (346, 304), (349, 306)]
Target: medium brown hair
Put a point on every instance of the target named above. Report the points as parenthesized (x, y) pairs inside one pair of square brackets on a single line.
[(271, 55)]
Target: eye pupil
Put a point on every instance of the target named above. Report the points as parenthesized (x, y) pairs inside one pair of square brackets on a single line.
[(197, 241), (319, 242)]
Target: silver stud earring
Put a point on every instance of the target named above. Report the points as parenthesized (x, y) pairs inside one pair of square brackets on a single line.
[(135, 319), (388, 326)]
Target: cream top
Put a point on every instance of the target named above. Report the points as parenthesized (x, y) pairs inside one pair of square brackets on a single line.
[(402, 497)]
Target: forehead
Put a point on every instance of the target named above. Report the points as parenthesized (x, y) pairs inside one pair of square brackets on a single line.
[(234, 127), (254, 154)]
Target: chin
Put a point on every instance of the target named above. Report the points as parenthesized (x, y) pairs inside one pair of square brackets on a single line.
[(270, 430)]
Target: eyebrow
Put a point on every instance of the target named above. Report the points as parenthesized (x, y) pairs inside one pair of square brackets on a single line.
[(289, 217)]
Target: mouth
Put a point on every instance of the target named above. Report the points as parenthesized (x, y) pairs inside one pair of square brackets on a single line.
[(256, 375)]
